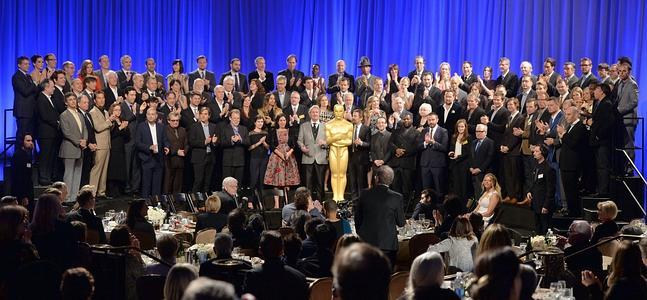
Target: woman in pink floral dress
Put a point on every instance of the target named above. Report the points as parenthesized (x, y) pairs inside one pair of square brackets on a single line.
[(282, 169)]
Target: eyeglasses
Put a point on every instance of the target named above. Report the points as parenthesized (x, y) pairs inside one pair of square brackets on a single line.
[(174, 120), (480, 131), (585, 65)]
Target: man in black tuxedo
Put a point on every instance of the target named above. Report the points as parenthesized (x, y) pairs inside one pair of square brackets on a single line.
[(600, 136), (343, 91), (427, 93), (125, 75), (111, 91), (48, 133), (152, 146), (218, 107), (473, 113), (526, 93), (296, 114), (403, 162), (415, 76), (234, 98), (85, 214), (293, 77), (266, 77), (378, 213), (496, 121), (433, 144), (191, 114), (572, 147), (178, 150), (234, 140), (569, 75), (201, 72), (550, 76), (359, 154), (381, 151), (88, 152), (240, 80), (69, 69), (229, 195), (542, 191), (90, 84), (151, 73), (587, 76), (24, 101), (333, 80), (58, 97), (468, 77), (281, 93), (203, 138), (449, 112), (309, 94), (480, 158), (511, 153), (507, 78), (129, 112)]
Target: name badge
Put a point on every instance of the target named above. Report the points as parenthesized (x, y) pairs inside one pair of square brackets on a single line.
[(540, 176), (28, 165)]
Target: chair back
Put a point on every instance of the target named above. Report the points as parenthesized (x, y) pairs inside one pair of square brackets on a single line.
[(321, 289), (150, 287), (397, 284), (420, 242), (146, 241), (206, 236), (284, 231), (92, 236)]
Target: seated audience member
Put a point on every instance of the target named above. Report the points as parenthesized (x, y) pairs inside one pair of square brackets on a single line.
[(229, 194), (643, 250), (224, 267), (264, 281), (476, 220), (318, 264), (291, 249), (212, 217), (77, 284), (490, 198), (120, 237), (81, 251), (298, 221), (8, 200), (208, 289), (178, 279), (498, 275), (61, 186), (528, 282), (242, 236), (256, 224), (16, 248), (342, 226), (461, 245), (309, 244), (425, 206), (302, 201), (451, 209), (167, 246), (625, 280), (52, 236), (579, 235), (607, 212), (345, 241), (360, 272), (136, 219), (494, 237), (426, 277), (86, 202)]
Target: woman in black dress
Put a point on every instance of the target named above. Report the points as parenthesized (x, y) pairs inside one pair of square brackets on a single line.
[(459, 150), (119, 136), (258, 155)]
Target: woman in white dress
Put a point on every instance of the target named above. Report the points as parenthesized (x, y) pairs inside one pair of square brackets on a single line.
[(490, 197)]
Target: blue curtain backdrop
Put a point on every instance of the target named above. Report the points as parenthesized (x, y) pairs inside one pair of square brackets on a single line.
[(322, 32)]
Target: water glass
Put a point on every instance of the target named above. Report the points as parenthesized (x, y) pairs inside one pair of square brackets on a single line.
[(523, 247)]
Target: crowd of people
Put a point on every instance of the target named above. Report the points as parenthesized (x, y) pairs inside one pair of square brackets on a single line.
[(514, 138)]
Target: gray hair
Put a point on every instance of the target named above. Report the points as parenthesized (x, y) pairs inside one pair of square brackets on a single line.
[(384, 175), (481, 127), (228, 78), (228, 180), (204, 288), (427, 270)]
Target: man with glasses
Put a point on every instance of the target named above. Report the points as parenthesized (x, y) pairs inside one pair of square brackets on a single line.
[(178, 146), (587, 76), (480, 158)]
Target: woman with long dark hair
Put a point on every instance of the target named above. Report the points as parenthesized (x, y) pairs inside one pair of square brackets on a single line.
[(282, 169), (119, 136), (136, 219), (52, 236), (256, 93), (498, 276), (459, 150), (178, 74)]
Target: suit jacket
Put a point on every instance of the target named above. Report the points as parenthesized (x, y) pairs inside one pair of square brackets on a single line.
[(627, 101), (70, 147), (413, 87), (572, 82), (110, 96), (334, 88), (302, 113), (522, 105), (143, 141), (235, 99), (47, 118), (268, 84), (584, 82), (233, 154), (542, 188), (286, 99), (228, 202), (308, 101), (24, 95), (380, 147), (91, 221), (176, 143), (215, 111), (131, 116), (102, 79), (434, 98), (361, 88), (474, 119), (509, 139), (297, 75), (101, 128), (482, 158), (377, 213), (187, 118), (496, 126), (59, 101), (603, 119), (122, 79), (158, 76), (511, 83), (196, 142), (90, 96), (208, 75), (455, 112), (359, 154), (467, 82), (243, 87), (406, 139), (316, 153), (434, 155), (572, 146), (92, 139)]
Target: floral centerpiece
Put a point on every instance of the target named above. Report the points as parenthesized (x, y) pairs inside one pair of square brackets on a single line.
[(201, 252), (156, 215), (543, 242)]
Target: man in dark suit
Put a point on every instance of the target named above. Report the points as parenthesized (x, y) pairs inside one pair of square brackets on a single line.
[(433, 144), (129, 112), (90, 84), (378, 212), (310, 93), (191, 114), (449, 112), (88, 152), (296, 115), (572, 145), (24, 101), (218, 107), (203, 138), (112, 92), (403, 162), (473, 113), (234, 140), (427, 93), (587, 76), (526, 93), (293, 77), (333, 80), (125, 75), (178, 148), (234, 98), (266, 77), (507, 78), (415, 76), (381, 151), (229, 195), (281, 94), (480, 158), (201, 72), (343, 91), (22, 160), (542, 191), (468, 77), (359, 154), (85, 214), (549, 76), (496, 121), (58, 97), (151, 73), (600, 135), (152, 146), (569, 75), (48, 133), (511, 151), (240, 80)]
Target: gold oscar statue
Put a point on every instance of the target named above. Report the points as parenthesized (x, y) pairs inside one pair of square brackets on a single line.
[(339, 135)]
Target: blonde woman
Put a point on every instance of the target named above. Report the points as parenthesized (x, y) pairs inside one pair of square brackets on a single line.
[(212, 217), (372, 112), (443, 77), (403, 92), (490, 197), (178, 280)]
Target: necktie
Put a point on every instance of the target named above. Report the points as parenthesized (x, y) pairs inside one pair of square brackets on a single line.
[(202, 74), (315, 130), (237, 86), (478, 144), (622, 86), (176, 134)]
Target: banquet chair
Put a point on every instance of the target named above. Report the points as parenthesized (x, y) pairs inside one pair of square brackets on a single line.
[(184, 238), (146, 241), (397, 284), (150, 287), (420, 242), (206, 236), (321, 289), (284, 231)]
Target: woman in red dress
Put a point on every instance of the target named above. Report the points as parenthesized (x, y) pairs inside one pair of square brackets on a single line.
[(282, 169)]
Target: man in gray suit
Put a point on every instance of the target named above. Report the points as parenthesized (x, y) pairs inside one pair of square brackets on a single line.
[(312, 141), (364, 83), (102, 74), (75, 137), (627, 101)]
